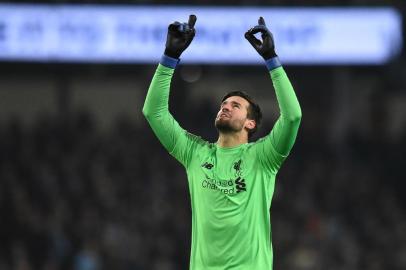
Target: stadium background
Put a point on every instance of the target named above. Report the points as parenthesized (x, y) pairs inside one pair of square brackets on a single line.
[(85, 185)]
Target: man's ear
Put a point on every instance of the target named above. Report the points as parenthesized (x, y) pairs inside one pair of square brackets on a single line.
[(250, 124)]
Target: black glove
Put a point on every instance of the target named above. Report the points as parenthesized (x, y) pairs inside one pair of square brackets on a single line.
[(179, 37), (266, 48)]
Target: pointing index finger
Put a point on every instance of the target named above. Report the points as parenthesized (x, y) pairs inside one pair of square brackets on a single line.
[(261, 21), (192, 20)]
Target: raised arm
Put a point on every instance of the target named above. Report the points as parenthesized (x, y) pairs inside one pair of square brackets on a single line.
[(277, 145), (283, 134), (156, 106)]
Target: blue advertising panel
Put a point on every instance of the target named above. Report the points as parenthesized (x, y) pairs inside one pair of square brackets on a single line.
[(136, 34)]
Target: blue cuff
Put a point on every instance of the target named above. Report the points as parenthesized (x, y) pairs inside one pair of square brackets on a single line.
[(169, 61), (273, 63)]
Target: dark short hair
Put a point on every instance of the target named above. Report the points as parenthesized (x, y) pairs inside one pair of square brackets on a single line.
[(254, 111)]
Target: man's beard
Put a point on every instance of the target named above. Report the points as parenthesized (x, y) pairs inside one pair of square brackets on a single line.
[(226, 126)]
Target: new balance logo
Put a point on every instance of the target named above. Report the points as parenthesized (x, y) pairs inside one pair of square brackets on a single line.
[(240, 185), (207, 165)]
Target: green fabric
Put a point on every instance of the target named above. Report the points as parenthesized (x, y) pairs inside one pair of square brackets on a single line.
[(230, 188)]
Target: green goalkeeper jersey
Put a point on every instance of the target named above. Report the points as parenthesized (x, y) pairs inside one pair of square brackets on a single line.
[(231, 189)]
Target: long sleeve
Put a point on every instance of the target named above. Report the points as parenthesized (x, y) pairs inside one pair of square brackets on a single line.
[(275, 147), (156, 110), (283, 134)]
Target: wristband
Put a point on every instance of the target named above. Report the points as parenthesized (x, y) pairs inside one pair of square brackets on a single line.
[(168, 61), (273, 63)]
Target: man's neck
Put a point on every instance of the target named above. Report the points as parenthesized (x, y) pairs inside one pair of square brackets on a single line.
[(232, 139)]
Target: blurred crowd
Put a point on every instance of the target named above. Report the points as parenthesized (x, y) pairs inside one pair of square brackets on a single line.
[(72, 198)]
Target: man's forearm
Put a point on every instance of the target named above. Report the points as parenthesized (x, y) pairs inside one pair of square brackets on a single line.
[(284, 133), (288, 103), (156, 102), (157, 98), (156, 106)]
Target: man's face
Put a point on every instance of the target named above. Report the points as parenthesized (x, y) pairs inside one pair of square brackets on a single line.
[(232, 116)]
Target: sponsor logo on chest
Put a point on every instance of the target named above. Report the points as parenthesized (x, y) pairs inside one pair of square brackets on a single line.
[(236, 184)]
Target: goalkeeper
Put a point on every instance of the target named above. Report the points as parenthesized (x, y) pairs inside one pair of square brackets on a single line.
[(231, 181)]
